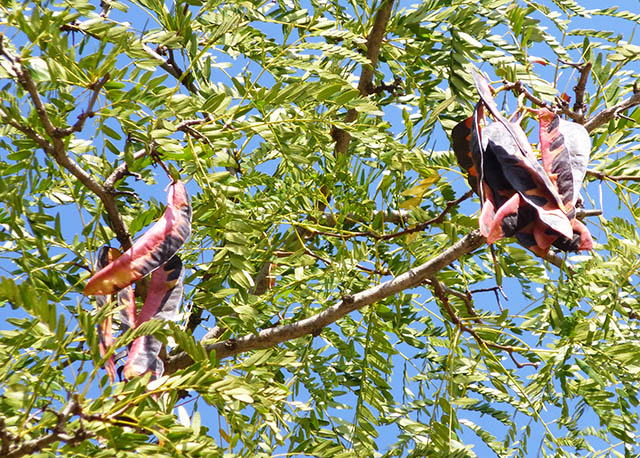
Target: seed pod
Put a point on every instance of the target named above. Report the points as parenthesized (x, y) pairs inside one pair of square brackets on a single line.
[(163, 299), (520, 164), (150, 251), (504, 169), (565, 148)]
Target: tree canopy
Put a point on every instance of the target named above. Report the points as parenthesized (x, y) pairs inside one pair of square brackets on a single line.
[(339, 298)]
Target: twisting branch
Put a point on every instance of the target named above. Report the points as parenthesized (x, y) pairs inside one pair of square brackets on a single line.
[(12, 447), (56, 149), (121, 171), (520, 89), (439, 292), (584, 69), (313, 325), (171, 67), (437, 220), (577, 114)]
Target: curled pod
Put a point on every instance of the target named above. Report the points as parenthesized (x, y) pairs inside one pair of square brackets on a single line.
[(150, 251), (163, 299)]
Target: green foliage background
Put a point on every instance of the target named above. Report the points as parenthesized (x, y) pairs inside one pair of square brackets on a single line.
[(245, 98)]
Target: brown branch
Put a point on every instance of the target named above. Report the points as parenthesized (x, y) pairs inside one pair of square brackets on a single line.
[(520, 89), (582, 213), (171, 67), (341, 136), (439, 292), (417, 228), (563, 107), (121, 171), (466, 298), (57, 434), (579, 105), (82, 117), (390, 216), (604, 176), (32, 134), (313, 325), (577, 114), (56, 149), (437, 220), (365, 84), (608, 114)]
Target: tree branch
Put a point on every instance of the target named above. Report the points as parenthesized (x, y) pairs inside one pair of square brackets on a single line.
[(121, 171), (365, 85), (584, 69), (59, 432), (520, 89), (313, 325), (77, 127), (608, 114), (171, 67), (604, 176), (417, 228), (57, 149), (592, 123), (340, 136), (438, 291)]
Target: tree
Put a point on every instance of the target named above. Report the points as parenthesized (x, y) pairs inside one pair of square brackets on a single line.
[(335, 297)]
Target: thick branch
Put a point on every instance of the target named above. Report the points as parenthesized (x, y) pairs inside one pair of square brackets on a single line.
[(579, 106), (365, 85), (313, 325)]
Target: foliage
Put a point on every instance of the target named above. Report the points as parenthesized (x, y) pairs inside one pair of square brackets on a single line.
[(311, 136)]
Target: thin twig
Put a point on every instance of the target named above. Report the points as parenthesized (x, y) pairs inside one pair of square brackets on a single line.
[(604, 176), (417, 228), (466, 298), (439, 292), (82, 117), (58, 433), (122, 170), (171, 67), (520, 89), (437, 220)]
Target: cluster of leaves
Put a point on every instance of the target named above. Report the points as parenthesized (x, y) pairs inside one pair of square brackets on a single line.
[(250, 100)]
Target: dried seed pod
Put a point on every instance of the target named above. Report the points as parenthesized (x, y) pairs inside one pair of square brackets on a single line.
[(150, 251)]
